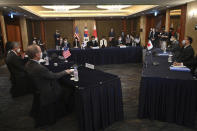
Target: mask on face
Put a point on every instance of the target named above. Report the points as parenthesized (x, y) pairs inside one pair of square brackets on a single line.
[(41, 55), (171, 39), (183, 42), (18, 50)]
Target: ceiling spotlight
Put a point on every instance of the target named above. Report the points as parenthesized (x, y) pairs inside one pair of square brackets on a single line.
[(155, 13), (112, 7), (62, 8), (5, 7)]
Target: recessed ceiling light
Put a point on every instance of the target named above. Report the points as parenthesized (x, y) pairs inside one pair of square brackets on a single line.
[(5, 7), (167, 6)]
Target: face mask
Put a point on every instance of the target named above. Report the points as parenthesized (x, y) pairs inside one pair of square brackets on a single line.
[(41, 55), (171, 39), (65, 41), (183, 42), (93, 40), (18, 50)]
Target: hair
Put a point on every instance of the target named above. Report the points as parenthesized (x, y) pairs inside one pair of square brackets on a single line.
[(13, 45), (65, 38), (32, 50), (175, 36), (190, 39), (172, 29), (92, 36)]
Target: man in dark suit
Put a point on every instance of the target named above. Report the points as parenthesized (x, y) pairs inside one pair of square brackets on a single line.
[(45, 83), (57, 38), (154, 37), (15, 64), (92, 42), (187, 53)]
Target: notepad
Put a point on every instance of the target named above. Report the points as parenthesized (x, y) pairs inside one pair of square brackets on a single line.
[(163, 54)]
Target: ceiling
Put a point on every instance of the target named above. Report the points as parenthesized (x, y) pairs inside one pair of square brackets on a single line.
[(33, 8), (87, 11), (92, 2)]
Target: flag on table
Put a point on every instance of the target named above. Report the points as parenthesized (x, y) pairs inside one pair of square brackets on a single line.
[(95, 33), (66, 53), (149, 45), (76, 33), (86, 36)]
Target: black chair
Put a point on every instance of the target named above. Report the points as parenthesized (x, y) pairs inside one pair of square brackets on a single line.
[(48, 114)]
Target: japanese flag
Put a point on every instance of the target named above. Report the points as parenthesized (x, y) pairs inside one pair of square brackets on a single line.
[(149, 45)]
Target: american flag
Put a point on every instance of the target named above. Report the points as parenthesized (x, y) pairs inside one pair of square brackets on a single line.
[(76, 33), (66, 53)]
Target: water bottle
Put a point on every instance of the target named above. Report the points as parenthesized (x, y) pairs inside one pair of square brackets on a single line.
[(47, 60), (76, 77)]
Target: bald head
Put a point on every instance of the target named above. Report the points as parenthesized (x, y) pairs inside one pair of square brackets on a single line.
[(34, 51)]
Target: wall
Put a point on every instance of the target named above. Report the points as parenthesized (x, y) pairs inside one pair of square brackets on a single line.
[(104, 26), (81, 24), (65, 27), (191, 21)]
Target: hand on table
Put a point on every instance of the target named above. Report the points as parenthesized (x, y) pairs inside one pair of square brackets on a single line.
[(68, 71)]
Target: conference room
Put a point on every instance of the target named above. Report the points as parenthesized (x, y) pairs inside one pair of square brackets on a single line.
[(98, 65)]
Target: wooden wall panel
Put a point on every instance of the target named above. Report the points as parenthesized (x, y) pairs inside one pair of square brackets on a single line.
[(29, 31), (183, 22), (64, 26), (104, 26), (13, 33), (81, 23), (37, 29)]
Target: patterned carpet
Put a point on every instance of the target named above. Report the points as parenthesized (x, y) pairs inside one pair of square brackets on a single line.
[(14, 113)]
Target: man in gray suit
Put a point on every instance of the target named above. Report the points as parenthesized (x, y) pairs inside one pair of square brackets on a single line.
[(45, 83)]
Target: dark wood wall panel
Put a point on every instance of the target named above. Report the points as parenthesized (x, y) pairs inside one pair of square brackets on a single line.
[(37, 29), (64, 26), (29, 31), (104, 26)]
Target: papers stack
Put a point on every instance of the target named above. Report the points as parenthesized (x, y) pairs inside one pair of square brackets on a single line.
[(180, 68)]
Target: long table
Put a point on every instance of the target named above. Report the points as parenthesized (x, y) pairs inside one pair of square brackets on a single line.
[(112, 55), (98, 97), (166, 95)]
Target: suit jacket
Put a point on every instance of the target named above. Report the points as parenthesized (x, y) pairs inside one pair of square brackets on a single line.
[(44, 81), (15, 65), (63, 45), (55, 37), (93, 44), (187, 56), (103, 43)]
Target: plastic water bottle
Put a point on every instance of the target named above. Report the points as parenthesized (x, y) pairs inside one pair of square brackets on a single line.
[(47, 60), (76, 77)]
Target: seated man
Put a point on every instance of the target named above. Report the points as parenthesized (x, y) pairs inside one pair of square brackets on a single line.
[(186, 56), (65, 43), (15, 64), (103, 42), (92, 42), (45, 83), (174, 47), (120, 41)]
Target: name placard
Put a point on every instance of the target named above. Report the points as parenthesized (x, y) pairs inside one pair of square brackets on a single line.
[(90, 66)]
